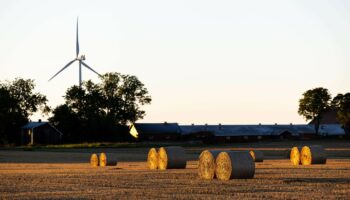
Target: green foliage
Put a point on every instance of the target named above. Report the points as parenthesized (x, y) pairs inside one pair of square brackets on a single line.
[(313, 104), (342, 104), (17, 102), (99, 108)]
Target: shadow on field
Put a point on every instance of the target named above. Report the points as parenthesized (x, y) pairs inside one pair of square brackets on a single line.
[(305, 169), (316, 180), (116, 168)]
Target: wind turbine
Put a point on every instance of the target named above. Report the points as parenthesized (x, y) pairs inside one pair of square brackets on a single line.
[(78, 58)]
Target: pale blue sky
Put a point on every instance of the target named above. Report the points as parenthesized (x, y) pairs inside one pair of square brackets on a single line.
[(232, 62)]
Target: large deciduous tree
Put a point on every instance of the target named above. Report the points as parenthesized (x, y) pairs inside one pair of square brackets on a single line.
[(18, 101), (100, 107), (314, 104), (123, 97), (341, 103)]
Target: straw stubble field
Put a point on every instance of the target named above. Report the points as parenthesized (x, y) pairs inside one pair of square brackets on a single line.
[(69, 179)]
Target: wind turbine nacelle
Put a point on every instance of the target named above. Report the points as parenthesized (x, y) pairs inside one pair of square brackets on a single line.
[(82, 57)]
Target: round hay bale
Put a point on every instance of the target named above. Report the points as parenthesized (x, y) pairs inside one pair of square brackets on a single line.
[(234, 165), (152, 159), (258, 156), (294, 156), (313, 155), (171, 158), (206, 164), (104, 161), (94, 160)]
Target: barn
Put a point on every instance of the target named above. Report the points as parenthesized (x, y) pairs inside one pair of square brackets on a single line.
[(225, 132), (40, 133), (229, 133), (331, 130), (155, 131), (203, 133)]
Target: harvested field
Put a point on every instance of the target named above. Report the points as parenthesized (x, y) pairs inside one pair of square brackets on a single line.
[(59, 178)]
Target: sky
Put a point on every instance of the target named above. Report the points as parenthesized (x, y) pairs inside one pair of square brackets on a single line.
[(229, 62)]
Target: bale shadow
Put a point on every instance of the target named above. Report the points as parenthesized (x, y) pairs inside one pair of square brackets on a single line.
[(116, 168), (300, 167), (317, 180)]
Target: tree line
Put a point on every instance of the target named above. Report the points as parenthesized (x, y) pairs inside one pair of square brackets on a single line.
[(100, 111), (93, 112)]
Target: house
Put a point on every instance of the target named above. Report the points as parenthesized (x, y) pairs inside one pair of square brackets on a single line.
[(40, 133), (329, 117), (155, 131)]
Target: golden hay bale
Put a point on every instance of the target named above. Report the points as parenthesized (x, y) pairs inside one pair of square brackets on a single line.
[(152, 158), (107, 162), (313, 155), (206, 164), (94, 160), (258, 156), (171, 158), (294, 155), (234, 165)]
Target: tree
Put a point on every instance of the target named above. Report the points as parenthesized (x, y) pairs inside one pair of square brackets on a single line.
[(123, 97), (342, 104), (313, 104), (101, 108), (67, 121), (8, 118), (17, 102), (28, 101)]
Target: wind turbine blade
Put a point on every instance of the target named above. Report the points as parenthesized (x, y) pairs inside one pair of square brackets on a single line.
[(77, 45), (67, 65), (89, 68)]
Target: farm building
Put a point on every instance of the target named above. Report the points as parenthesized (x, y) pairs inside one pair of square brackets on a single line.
[(155, 131), (40, 133), (332, 130), (329, 117), (227, 133), (257, 132)]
